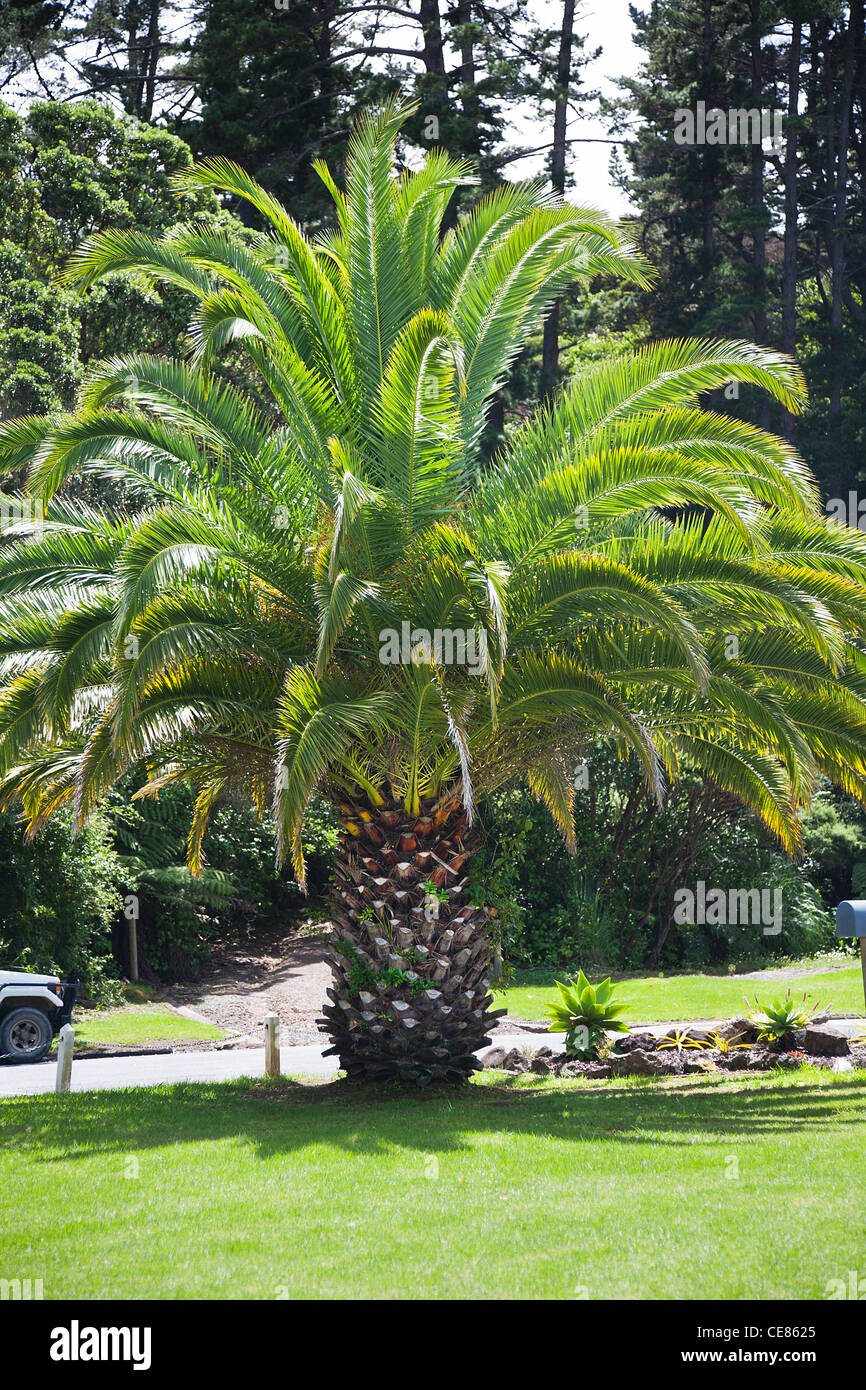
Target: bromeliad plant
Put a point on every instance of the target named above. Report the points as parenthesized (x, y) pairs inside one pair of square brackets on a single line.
[(319, 583), (776, 1021), (682, 1040), (585, 1013), (726, 1045)]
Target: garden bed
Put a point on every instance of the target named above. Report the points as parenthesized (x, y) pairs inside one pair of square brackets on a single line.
[(735, 1046)]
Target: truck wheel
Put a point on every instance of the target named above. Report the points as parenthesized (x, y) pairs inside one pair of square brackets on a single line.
[(25, 1035)]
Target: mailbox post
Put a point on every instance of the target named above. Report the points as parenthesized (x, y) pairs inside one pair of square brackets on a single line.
[(851, 921)]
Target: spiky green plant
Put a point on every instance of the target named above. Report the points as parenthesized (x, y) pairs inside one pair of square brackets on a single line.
[(585, 1013), (777, 1020), (635, 569)]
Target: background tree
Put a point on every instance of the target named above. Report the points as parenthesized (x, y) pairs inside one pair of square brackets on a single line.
[(760, 243), (270, 91), (73, 49), (69, 170), (273, 87), (566, 96)]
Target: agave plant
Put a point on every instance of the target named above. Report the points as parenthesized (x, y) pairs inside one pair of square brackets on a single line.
[(775, 1021), (585, 1013), (318, 583)]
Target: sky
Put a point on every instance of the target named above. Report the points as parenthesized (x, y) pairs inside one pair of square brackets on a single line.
[(606, 24)]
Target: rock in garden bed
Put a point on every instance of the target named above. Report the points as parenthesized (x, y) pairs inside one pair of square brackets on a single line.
[(640, 1063), (738, 1030), (822, 1040), (644, 1042)]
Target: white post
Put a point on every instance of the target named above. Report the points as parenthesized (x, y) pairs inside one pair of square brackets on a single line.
[(133, 950), (64, 1058), (272, 1045)]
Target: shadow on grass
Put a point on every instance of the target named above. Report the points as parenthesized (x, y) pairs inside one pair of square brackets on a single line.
[(282, 1117)]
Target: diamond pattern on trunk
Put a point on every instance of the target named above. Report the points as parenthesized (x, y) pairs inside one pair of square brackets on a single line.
[(410, 997)]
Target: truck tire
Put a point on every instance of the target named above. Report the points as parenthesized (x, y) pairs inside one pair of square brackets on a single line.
[(25, 1035)]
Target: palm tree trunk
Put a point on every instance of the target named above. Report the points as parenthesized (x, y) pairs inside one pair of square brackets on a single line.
[(410, 998)]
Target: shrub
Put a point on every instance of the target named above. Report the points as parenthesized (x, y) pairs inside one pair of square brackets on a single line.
[(59, 897), (238, 891)]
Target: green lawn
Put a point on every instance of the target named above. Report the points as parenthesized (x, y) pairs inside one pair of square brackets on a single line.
[(707, 1187), (655, 998), (149, 1023)]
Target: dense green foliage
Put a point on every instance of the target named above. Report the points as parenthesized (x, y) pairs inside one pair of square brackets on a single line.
[(240, 889), (270, 112), (59, 898), (610, 904), (63, 895), (721, 219), (67, 171)]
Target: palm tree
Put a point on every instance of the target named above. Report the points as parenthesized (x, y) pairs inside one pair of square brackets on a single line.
[(318, 585)]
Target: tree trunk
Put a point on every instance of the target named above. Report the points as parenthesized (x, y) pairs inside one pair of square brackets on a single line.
[(134, 88), (470, 144), (759, 229), (789, 266), (410, 999), (709, 161), (464, 134), (550, 344), (151, 61), (433, 51), (838, 230)]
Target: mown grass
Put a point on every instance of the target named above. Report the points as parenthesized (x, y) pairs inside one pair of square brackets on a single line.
[(726, 1187), (658, 997), (138, 1024)]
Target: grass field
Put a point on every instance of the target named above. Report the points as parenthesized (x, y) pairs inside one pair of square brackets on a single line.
[(134, 1024), (655, 998), (704, 1187)]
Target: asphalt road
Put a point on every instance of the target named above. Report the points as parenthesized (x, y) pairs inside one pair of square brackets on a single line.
[(116, 1073)]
